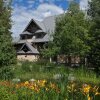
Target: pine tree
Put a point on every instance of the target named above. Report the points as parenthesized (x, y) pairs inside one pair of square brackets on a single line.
[(7, 52)]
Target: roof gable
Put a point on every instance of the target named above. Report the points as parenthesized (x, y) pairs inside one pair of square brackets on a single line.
[(47, 25), (32, 26), (28, 48)]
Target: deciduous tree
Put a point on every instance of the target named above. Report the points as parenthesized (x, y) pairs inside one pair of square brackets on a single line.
[(94, 13), (71, 33)]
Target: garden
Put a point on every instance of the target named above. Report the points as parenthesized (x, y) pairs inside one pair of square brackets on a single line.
[(77, 33), (36, 81)]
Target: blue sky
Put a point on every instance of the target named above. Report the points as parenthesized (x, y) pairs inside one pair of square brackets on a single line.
[(25, 10)]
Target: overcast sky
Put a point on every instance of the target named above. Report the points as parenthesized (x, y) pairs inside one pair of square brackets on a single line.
[(25, 10)]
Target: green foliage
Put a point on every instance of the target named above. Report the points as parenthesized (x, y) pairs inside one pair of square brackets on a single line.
[(94, 13), (7, 52), (6, 73), (51, 51), (50, 71), (5, 94), (72, 32), (26, 66), (50, 91), (24, 94)]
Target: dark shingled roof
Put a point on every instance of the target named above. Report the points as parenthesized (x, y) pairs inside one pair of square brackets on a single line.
[(46, 38), (30, 47), (47, 26)]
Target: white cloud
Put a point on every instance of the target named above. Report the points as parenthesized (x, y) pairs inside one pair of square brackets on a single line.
[(47, 7), (21, 15), (84, 4)]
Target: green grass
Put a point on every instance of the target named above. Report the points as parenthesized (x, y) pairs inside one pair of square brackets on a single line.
[(29, 70), (85, 75)]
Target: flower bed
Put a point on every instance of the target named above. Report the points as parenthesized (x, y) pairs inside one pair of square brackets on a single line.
[(44, 90)]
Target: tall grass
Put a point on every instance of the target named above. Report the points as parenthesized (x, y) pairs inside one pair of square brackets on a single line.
[(29, 70), (85, 75)]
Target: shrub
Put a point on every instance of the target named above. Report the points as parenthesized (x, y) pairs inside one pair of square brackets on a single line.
[(6, 73)]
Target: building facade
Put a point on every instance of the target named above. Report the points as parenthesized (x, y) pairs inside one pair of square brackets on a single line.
[(33, 38)]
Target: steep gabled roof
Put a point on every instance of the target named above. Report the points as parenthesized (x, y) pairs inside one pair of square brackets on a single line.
[(32, 50), (39, 24), (46, 38), (49, 23), (46, 26)]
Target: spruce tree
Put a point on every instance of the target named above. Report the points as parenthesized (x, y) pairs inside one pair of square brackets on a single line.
[(7, 52)]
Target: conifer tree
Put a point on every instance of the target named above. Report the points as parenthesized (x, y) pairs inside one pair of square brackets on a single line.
[(7, 52)]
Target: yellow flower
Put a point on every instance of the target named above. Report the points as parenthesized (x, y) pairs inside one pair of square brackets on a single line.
[(47, 89), (44, 81), (89, 98), (97, 93), (32, 87), (41, 83), (86, 88), (26, 83), (71, 87)]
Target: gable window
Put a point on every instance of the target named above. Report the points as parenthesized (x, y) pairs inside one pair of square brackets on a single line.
[(25, 49), (32, 28)]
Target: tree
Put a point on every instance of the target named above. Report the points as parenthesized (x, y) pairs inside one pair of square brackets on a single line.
[(71, 33), (94, 13), (50, 50), (7, 52)]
